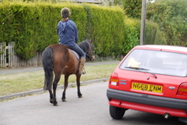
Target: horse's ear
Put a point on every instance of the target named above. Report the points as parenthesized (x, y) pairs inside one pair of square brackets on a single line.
[(90, 40)]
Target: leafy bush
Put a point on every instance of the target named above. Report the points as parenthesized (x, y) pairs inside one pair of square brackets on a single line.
[(170, 15), (32, 26), (133, 8), (153, 34), (131, 34), (107, 30)]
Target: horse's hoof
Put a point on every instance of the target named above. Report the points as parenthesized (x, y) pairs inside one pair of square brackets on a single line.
[(64, 100), (55, 104), (80, 96), (51, 101)]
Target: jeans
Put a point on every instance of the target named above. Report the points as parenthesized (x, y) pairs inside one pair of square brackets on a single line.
[(77, 49)]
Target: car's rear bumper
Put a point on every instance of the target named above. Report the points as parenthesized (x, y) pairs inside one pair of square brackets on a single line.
[(143, 102)]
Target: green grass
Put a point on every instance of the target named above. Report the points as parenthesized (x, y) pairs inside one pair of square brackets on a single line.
[(14, 83)]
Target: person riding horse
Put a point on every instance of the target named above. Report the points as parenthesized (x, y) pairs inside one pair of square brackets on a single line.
[(68, 36)]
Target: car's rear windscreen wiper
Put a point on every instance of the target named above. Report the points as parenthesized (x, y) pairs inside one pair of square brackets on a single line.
[(137, 68)]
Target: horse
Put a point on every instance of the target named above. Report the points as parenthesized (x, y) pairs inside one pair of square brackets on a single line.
[(58, 59)]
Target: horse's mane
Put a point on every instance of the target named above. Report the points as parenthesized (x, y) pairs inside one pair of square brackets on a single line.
[(85, 45)]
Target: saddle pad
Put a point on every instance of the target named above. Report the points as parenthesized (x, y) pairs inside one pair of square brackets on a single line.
[(77, 56)]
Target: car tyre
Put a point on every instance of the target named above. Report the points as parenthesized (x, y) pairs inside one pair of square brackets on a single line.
[(116, 112)]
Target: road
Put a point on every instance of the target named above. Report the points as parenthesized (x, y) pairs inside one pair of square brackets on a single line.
[(92, 109)]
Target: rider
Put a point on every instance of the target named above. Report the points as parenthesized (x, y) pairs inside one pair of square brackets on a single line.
[(68, 36)]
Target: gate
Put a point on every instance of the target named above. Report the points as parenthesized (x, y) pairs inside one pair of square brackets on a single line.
[(9, 59)]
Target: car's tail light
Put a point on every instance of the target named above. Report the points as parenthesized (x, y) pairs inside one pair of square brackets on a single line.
[(182, 89), (114, 81)]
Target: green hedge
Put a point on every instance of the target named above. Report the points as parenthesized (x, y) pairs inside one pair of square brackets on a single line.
[(107, 30), (132, 29), (32, 26), (170, 15), (153, 34)]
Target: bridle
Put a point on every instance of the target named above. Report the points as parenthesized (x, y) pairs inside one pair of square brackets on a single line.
[(89, 53)]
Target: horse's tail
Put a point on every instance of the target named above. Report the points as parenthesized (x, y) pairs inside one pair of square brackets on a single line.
[(47, 61)]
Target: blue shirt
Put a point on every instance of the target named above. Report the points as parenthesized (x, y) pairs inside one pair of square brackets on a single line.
[(68, 33)]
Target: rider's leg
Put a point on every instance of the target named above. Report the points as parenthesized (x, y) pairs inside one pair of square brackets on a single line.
[(82, 55)]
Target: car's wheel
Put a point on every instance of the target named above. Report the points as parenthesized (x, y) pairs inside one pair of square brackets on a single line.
[(116, 112)]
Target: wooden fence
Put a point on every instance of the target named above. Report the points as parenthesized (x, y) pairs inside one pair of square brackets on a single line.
[(9, 59)]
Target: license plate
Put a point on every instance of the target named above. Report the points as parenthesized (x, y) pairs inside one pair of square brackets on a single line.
[(147, 87)]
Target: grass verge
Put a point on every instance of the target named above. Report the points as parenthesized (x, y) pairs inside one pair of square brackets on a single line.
[(19, 82)]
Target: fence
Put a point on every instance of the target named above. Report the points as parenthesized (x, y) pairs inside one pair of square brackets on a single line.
[(9, 59)]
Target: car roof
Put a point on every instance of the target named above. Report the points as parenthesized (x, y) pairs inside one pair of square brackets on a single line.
[(169, 48)]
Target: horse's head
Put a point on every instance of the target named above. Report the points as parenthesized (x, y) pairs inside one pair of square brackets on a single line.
[(88, 48), (90, 52)]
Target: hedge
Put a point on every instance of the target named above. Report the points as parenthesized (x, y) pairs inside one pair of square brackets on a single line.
[(132, 29), (153, 34), (32, 26), (107, 30)]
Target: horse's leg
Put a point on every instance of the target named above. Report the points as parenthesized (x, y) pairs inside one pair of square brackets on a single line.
[(55, 83), (65, 87), (78, 76), (51, 96)]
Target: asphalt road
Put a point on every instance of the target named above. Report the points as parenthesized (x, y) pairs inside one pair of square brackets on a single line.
[(92, 109)]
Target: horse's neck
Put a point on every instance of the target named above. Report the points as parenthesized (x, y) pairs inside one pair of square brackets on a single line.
[(84, 45)]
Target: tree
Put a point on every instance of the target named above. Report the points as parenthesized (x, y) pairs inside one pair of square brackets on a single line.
[(113, 2), (133, 8), (119, 2), (171, 18)]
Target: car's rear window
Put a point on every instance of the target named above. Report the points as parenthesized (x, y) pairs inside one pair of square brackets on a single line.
[(160, 62)]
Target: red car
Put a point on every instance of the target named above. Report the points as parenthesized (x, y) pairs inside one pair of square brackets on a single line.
[(150, 78)]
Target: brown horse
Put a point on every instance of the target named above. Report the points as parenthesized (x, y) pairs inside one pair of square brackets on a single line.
[(58, 59)]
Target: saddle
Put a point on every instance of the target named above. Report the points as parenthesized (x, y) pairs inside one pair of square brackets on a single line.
[(76, 54)]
